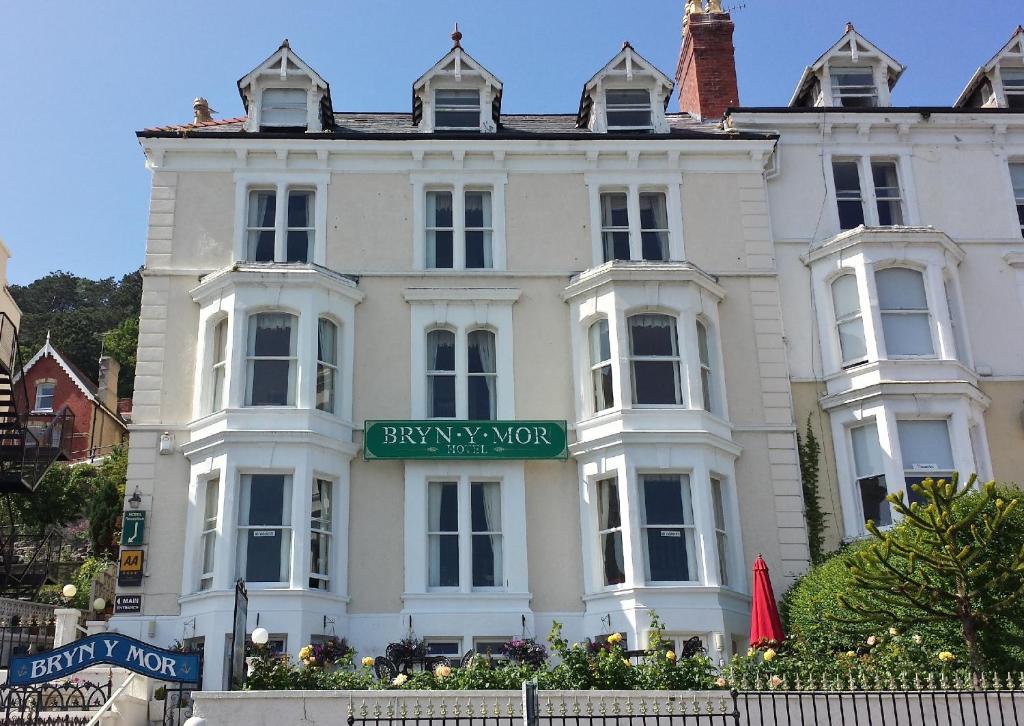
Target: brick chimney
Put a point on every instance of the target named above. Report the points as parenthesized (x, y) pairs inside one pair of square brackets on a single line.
[(706, 73), (107, 384)]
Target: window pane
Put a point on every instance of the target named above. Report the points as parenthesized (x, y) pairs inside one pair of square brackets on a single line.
[(900, 288), (907, 334), (867, 455), (614, 561), (260, 223), (327, 341), (925, 445), (873, 492), (262, 208), (670, 554), (848, 195), (478, 209), (608, 516), (212, 500), (481, 351), (444, 548), (444, 507), (604, 396), (485, 516), (441, 393), (440, 253), (844, 296), (600, 344), (266, 499), (851, 214), (1017, 175), (319, 559), (457, 108), (615, 226), (300, 209), (270, 386), (441, 350), (652, 335), (663, 500), (271, 334), (851, 340), (654, 226), (298, 245), (628, 107), (656, 381), (320, 506), (283, 107), (264, 551)]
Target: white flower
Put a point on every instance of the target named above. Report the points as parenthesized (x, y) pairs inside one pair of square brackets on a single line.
[(775, 682), (893, 632), (872, 640), (918, 639), (399, 679)]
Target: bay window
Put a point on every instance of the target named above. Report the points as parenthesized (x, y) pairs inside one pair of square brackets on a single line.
[(870, 476), (208, 536), (654, 359), (721, 536), (271, 359), (464, 534), (668, 528), (609, 531), (849, 322), (320, 534), (482, 375), (903, 305), (926, 452), (326, 364), (218, 387), (1017, 179), (601, 366), (264, 528), (704, 354)]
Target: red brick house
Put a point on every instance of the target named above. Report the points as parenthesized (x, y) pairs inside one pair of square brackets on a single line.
[(52, 383)]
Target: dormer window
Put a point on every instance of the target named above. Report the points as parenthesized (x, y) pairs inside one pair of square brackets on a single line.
[(283, 108), (456, 108), (628, 108), (1013, 87), (854, 88)]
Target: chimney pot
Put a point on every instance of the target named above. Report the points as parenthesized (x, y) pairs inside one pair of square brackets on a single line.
[(203, 112), (706, 72)]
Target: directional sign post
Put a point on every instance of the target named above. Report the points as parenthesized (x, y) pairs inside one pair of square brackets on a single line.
[(465, 440), (133, 528)]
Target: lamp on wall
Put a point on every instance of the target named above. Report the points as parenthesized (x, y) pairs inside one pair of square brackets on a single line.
[(166, 443), (135, 499), (260, 636), (69, 591), (99, 604)]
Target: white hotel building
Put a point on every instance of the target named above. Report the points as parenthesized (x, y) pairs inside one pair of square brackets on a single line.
[(659, 281)]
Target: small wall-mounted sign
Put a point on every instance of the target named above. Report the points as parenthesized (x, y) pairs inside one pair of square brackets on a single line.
[(133, 528), (124, 604), (129, 571), (465, 440)]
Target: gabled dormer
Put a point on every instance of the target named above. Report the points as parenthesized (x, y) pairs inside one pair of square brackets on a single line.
[(457, 94), (853, 73), (1000, 82), (284, 94), (628, 94)]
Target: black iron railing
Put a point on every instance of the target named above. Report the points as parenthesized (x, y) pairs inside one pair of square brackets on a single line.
[(24, 639), (66, 702)]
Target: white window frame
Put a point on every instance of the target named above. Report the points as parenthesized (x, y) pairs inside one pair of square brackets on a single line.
[(648, 107), (290, 107), (720, 521), (293, 359), (208, 533), (597, 367), (286, 528), (466, 534), (1012, 90), (685, 479), (1018, 192), (879, 198), (859, 477), (218, 400), (324, 527), (707, 377), (436, 106), (837, 88), (470, 375), (849, 198), (41, 384), (440, 644), (847, 318), (602, 533), (926, 311), (633, 183), (917, 470), (677, 359), (281, 182), (333, 368), (459, 228), (458, 184)]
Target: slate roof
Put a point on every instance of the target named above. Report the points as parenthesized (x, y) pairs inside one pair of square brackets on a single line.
[(400, 125)]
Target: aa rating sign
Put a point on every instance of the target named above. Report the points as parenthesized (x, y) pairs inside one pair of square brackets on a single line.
[(133, 528)]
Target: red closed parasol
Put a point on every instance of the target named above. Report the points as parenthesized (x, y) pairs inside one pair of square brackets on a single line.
[(765, 623)]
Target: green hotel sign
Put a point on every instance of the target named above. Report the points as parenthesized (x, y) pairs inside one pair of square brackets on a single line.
[(464, 440)]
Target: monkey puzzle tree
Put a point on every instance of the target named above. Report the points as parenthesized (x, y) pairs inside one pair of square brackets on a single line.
[(942, 562)]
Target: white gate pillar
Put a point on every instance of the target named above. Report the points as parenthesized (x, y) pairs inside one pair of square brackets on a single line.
[(66, 628)]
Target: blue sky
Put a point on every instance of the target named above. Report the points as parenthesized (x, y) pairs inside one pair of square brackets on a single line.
[(82, 77)]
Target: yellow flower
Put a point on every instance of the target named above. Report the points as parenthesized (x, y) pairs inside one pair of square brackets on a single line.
[(721, 682), (367, 661), (399, 679), (769, 655), (750, 652), (442, 671), (615, 638), (306, 652), (625, 662), (775, 682), (918, 639), (851, 654), (893, 632), (946, 657), (670, 655)]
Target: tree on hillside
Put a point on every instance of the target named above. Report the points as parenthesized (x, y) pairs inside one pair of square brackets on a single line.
[(943, 563), (77, 312)]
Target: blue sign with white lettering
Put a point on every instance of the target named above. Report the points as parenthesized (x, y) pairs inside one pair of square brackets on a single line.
[(111, 648)]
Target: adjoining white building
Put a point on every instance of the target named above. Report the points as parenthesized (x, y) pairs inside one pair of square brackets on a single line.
[(310, 272)]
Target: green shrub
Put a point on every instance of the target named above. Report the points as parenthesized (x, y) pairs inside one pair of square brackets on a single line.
[(813, 614)]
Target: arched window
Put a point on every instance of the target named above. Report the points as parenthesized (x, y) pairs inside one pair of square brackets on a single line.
[(271, 359), (601, 366), (906, 324), (441, 374), (705, 366), (326, 364), (849, 323), (218, 373), (654, 357), (482, 376)]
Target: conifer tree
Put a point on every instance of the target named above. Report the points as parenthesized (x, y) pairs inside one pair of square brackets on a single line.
[(939, 564)]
